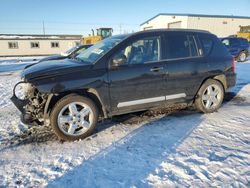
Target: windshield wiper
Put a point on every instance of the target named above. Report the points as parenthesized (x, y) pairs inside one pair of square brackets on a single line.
[(77, 58), (81, 60)]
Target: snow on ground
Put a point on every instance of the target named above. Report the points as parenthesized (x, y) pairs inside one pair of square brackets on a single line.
[(184, 148), (7, 82)]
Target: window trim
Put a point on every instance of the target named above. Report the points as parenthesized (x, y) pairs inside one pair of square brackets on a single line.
[(54, 42), (199, 45), (17, 46), (195, 44), (34, 47), (180, 58)]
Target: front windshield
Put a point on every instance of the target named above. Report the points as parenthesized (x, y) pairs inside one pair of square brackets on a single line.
[(92, 54), (104, 32)]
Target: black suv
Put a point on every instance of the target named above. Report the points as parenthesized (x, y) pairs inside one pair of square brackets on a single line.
[(123, 74)]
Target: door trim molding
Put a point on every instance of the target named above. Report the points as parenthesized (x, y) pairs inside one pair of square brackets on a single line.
[(149, 100), (176, 96), (141, 101)]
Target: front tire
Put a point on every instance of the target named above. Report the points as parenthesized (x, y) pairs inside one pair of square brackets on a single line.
[(210, 96), (74, 117), (242, 57)]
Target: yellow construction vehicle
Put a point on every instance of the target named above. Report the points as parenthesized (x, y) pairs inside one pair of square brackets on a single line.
[(244, 32), (101, 34)]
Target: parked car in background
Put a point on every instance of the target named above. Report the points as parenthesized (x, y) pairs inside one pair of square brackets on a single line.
[(123, 74), (238, 47), (71, 53)]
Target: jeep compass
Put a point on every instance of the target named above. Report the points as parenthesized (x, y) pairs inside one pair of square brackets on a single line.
[(123, 74)]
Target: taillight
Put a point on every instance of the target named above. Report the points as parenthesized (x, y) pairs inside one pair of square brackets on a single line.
[(234, 65)]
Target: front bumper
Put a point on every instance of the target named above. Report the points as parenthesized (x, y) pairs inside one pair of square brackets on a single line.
[(20, 104), (26, 118)]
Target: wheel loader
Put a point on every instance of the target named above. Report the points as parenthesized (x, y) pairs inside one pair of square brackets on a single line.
[(244, 32), (101, 34)]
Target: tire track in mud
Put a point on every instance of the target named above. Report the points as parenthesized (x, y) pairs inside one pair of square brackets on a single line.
[(39, 134), (43, 134)]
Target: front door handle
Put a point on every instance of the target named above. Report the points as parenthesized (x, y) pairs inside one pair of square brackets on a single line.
[(156, 69)]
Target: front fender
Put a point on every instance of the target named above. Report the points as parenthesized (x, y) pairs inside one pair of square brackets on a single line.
[(93, 78), (65, 86)]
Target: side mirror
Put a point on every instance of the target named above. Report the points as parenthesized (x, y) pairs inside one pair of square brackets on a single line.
[(118, 60)]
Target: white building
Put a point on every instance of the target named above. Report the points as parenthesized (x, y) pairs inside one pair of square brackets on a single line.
[(220, 25), (27, 45)]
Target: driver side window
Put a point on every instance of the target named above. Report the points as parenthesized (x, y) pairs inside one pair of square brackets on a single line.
[(141, 51)]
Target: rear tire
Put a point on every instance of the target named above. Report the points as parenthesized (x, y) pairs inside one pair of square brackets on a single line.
[(210, 96), (74, 117)]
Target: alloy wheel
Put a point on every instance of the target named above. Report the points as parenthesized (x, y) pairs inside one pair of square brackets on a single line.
[(212, 96), (75, 119), (243, 57)]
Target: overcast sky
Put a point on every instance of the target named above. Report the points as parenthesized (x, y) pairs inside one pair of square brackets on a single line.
[(80, 16)]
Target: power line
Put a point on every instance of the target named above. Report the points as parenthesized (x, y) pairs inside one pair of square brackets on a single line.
[(48, 28), (69, 23)]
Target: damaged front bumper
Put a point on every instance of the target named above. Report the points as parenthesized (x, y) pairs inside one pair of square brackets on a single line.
[(31, 106), (20, 104), (26, 118)]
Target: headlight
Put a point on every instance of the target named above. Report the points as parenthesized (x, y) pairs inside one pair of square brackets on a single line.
[(22, 90)]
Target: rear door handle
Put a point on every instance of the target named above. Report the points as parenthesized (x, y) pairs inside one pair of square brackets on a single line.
[(156, 69)]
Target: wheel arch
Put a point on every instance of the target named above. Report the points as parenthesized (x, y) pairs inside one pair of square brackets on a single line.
[(243, 51), (246, 51), (87, 92), (220, 78), (199, 101)]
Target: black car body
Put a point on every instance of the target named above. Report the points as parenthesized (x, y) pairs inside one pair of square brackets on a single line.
[(238, 47), (71, 53), (128, 73)]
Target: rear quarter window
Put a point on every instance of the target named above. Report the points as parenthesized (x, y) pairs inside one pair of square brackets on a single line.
[(206, 43), (213, 46)]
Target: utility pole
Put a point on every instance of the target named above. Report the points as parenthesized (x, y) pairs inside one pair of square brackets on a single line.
[(43, 28)]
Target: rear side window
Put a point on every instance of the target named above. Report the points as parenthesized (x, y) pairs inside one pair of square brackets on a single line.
[(181, 46), (234, 42), (207, 44), (244, 42)]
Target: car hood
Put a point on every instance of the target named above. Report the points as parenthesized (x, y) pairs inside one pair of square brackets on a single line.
[(48, 69), (53, 57)]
